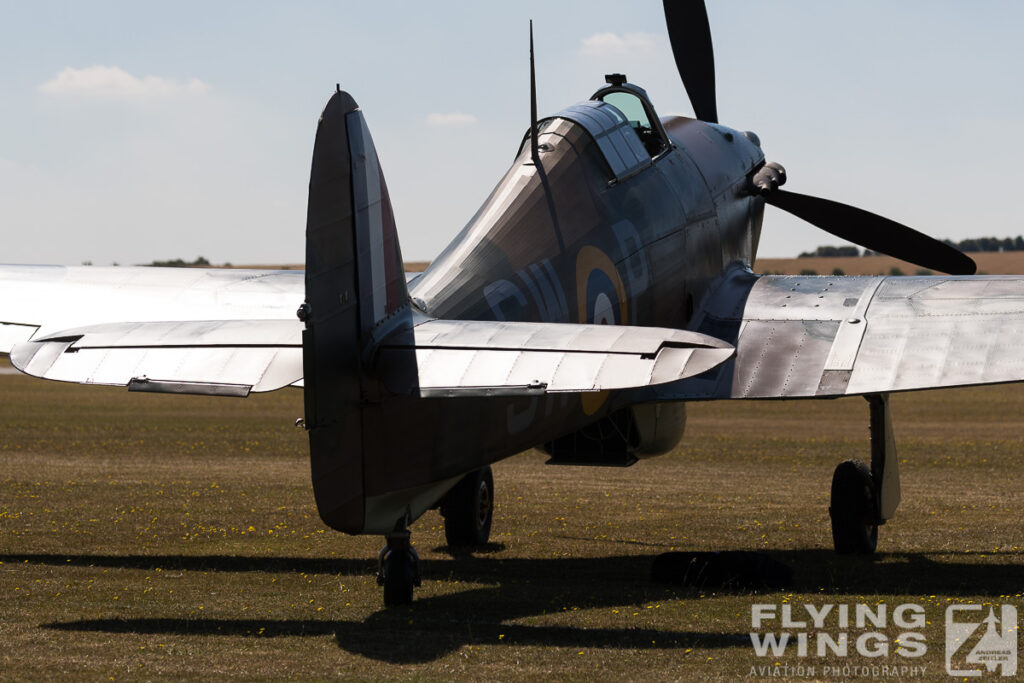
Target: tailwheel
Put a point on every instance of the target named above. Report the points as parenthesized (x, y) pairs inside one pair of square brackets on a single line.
[(399, 570), (468, 509), (854, 509)]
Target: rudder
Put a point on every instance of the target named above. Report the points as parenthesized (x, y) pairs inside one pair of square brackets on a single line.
[(354, 280)]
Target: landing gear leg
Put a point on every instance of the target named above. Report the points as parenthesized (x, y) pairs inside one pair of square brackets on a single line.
[(399, 570), (863, 497)]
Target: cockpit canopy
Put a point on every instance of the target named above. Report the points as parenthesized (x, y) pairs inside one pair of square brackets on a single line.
[(633, 102), (621, 120)]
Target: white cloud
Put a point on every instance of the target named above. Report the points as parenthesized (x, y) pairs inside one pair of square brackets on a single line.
[(456, 118), (601, 44), (111, 82)]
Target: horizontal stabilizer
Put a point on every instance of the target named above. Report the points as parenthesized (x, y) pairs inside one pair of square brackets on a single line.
[(220, 357), (452, 358), (462, 358)]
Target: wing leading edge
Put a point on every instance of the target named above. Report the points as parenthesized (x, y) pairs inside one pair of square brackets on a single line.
[(818, 336)]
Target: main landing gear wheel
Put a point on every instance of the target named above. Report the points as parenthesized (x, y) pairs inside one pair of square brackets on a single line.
[(854, 509), (468, 509), (399, 570)]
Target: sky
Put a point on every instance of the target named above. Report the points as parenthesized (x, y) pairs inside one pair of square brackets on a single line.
[(131, 132)]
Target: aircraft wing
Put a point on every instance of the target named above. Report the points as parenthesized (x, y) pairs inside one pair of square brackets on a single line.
[(41, 300), (189, 330), (813, 336), (232, 332)]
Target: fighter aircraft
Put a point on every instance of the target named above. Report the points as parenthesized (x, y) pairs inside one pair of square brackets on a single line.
[(605, 282)]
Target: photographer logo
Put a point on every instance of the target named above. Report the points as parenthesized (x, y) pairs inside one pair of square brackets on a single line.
[(975, 641)]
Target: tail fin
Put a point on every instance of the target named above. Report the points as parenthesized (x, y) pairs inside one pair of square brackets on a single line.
[(354, 280)]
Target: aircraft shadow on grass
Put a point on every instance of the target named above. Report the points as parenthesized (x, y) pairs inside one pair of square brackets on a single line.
[(517, 588), (415, 635)]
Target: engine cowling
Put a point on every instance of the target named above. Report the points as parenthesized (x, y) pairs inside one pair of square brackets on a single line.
[(621, 438)]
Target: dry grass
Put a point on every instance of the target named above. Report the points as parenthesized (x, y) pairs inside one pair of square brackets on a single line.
[(176, 537), (993, 263)]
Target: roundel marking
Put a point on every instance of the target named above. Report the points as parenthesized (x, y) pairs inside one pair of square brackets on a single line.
[(596, 275), (600, 300)]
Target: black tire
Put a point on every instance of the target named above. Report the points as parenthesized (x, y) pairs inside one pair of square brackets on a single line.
[(399, 572), (854, 509), (468, 509)]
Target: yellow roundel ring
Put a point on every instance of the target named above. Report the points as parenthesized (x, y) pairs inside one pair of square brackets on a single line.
[(591, 262)]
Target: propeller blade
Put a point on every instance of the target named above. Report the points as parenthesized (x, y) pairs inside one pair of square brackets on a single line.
[(874, 232), (690, 35)]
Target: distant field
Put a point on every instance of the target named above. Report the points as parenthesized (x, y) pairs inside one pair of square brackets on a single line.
[(993, 263), (410, 266), (416, 266), (146, 536)]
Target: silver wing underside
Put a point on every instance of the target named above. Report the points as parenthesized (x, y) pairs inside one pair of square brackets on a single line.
[(811, 336)]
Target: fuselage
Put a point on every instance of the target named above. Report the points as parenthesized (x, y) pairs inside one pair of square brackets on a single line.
[(610, 225), (565, 240)]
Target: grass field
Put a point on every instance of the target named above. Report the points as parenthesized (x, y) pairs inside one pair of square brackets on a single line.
[(991, 263), (146, 536)]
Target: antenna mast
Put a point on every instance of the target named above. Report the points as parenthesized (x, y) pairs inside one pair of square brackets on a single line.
[(533, 104)]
